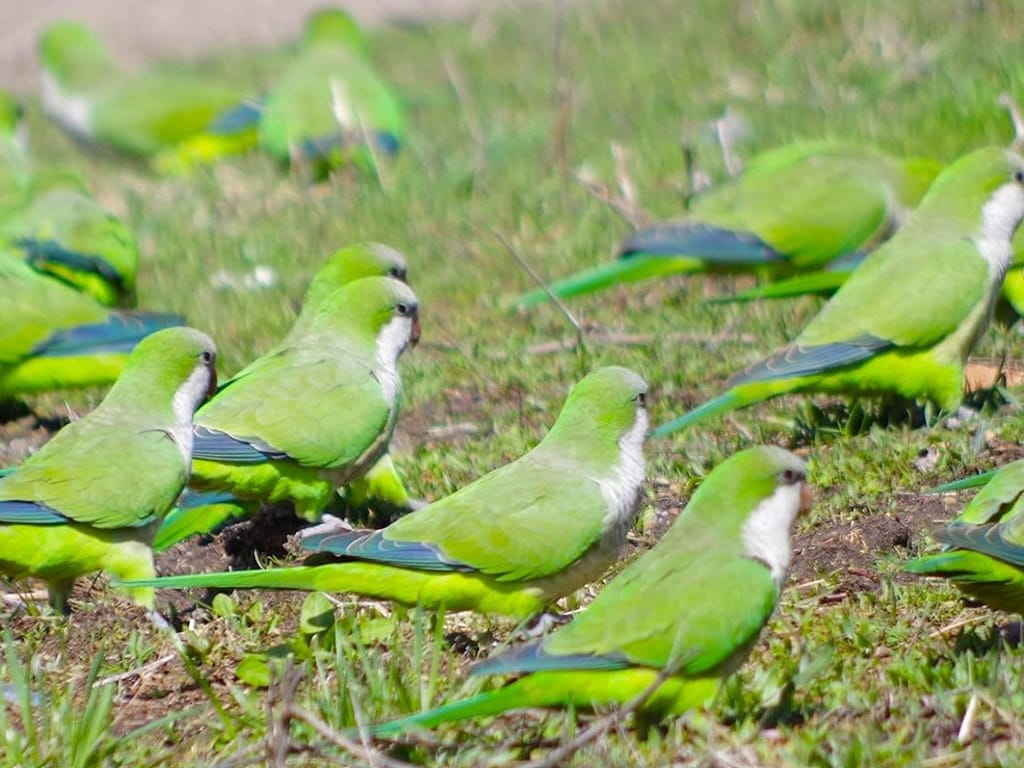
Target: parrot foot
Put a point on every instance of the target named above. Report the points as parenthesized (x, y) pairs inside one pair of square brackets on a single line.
[(543, 623), (158, 621), (329, 524), (964, 415)]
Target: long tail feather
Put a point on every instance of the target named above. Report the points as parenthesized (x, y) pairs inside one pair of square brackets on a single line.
[(976, 481), (490, 703), (604, 276), (300, 577), (721, 404), (815, 283)]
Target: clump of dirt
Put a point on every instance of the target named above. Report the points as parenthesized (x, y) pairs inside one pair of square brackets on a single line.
[(851, 550)]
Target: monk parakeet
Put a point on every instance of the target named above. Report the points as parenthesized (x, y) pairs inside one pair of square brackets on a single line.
[(794, 208), (318, 409), (65, 233), (510, 543), (53, 337), (694, 605), (199, 512), (983, 551), (328, 102), (157, 114), (906, 319), (92, 497)]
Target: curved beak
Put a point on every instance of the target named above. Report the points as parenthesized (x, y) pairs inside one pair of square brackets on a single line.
[(806, 497), (213, 382), (415, 337)]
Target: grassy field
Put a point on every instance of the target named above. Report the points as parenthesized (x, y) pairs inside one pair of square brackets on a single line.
[(860, 665)]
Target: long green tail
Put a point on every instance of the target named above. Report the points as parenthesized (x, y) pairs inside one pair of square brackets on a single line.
[(974, 481), (298, 577), (814, 283), (721, 404), (491, 703), (627, 270)]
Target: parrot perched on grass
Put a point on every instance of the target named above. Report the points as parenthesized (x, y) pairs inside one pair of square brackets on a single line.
[(54, 337), (318, 409), (92, 497), (983, 551), (200, 513), (329, 103), (510, 543), (60, 229), (65, 233), (689, 609), (161, 115), (906, 319), (794, 208)]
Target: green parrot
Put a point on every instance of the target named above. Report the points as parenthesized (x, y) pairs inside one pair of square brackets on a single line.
[(65, 233), (68, 511), (794, 208), (693, 605), (906, 319), (328, 102), (200, 513), (984, 545), (54, 337), (510, 543), (318, 409), (165, 116)]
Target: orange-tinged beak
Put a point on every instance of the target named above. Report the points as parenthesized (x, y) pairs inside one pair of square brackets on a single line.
[(213, 382), (415, 338), (806, 497)]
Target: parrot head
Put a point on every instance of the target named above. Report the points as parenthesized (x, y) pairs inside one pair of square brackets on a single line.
[(351, 263)]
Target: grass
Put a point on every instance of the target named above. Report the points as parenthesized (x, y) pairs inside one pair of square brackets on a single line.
[(859, 666)]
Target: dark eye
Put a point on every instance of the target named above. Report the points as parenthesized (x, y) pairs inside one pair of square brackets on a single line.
[(791, 476), (642, 398), (207, 357), (397, 272), (402, 309), (1018, 176)]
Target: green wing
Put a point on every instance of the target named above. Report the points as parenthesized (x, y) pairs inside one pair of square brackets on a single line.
[(553, 518), (321, 407), (812, 202), (326, 91), (146, 113), (86, 473), (698, 607), (883, 300), (999, 500), (34, 307)]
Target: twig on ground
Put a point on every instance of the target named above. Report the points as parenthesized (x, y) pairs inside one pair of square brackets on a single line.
[(363, 752), (142, 671), (965, 735), (581, 346), (624, 202)]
